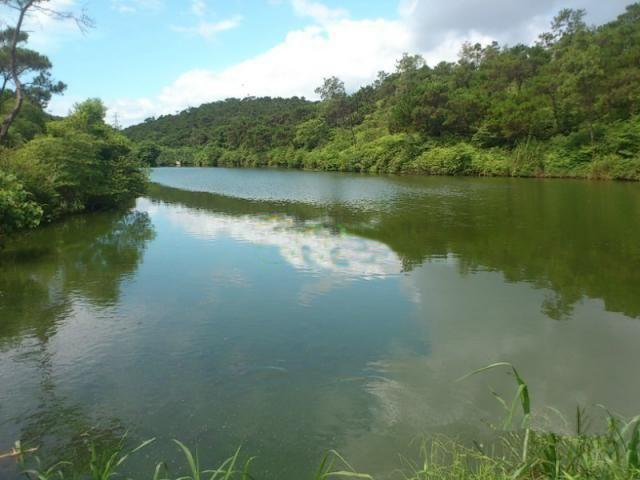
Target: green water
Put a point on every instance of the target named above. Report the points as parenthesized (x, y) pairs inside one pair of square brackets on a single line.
[(292, 312)]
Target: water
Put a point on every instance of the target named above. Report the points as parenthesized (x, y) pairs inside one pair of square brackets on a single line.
[(293, 312)]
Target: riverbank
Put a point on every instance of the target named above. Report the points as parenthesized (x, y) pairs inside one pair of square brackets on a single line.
[(404, 154)]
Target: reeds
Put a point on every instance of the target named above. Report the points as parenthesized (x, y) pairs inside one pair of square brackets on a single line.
[(519, 451)]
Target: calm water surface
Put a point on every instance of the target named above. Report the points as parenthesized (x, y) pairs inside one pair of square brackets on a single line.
[(293, 312)]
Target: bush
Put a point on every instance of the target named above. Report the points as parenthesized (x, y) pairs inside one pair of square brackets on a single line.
[(147, 153), (622, 139), (445, 160), (493, 162), (527, 159), (17, 210), (388, 153), (80, 164), (614, 167), (231, 158)]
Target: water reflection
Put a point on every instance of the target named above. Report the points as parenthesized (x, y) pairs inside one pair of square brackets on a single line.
[(303, 245), (53, 284), (576, 240), (292, 327), (45, 274)]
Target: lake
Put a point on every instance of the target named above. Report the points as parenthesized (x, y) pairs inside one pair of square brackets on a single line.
[(292, 312)]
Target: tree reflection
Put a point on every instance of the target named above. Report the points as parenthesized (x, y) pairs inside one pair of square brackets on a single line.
[(42, 275), (86, 258), (536, 232)]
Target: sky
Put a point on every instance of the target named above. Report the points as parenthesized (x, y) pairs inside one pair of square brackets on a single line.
[(146, 58)]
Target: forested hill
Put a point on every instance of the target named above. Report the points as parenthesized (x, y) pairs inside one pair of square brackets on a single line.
[(233, 123), (567, 105)]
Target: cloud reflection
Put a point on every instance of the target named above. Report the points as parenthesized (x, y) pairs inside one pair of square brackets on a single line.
[(303, 245)]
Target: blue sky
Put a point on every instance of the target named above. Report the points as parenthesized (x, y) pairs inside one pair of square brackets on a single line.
[(151, 57)]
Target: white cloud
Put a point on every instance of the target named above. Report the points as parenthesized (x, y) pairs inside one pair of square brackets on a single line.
[(354, 50), (209, 29), (122, 7), (506, 21)]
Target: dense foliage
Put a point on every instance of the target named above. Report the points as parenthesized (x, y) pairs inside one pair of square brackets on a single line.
[(17, 211), (569, 105), (79, 164)]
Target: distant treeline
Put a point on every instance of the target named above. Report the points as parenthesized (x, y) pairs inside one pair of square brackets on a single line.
[(568, 105)]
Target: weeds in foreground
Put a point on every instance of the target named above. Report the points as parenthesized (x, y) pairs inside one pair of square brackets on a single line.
[(227, 469), (326, 469), (103, 464), (528, 453), (519, 452)]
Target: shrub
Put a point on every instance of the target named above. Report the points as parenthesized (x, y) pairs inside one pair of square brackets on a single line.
[(527, 159), (615, 167), (81, 164), (388, 153), (147, 153), (622, 138), (17, 210), (445, 160)]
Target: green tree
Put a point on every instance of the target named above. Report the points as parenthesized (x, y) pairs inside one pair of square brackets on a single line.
[(18, 58), (17, 210), (331, 88), (312, 133), (81, 164), (147, 153), (38, 85)]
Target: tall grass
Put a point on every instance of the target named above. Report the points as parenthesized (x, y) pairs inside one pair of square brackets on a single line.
[(518, 451)]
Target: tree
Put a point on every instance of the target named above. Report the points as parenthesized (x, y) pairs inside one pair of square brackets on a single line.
[(6, 37), (409, 63), (81, 164), (340, 109), (330, 89), (312, 133), (567, 23), (569, 99), (29, 62), (24, 7), (147, 153)]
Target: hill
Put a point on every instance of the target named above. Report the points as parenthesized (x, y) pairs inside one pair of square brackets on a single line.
[(567, 105)]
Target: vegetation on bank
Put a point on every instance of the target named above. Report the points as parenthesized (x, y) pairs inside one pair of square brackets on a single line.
[(566, 106), (520, 451), (52, 167), (77, 164)]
